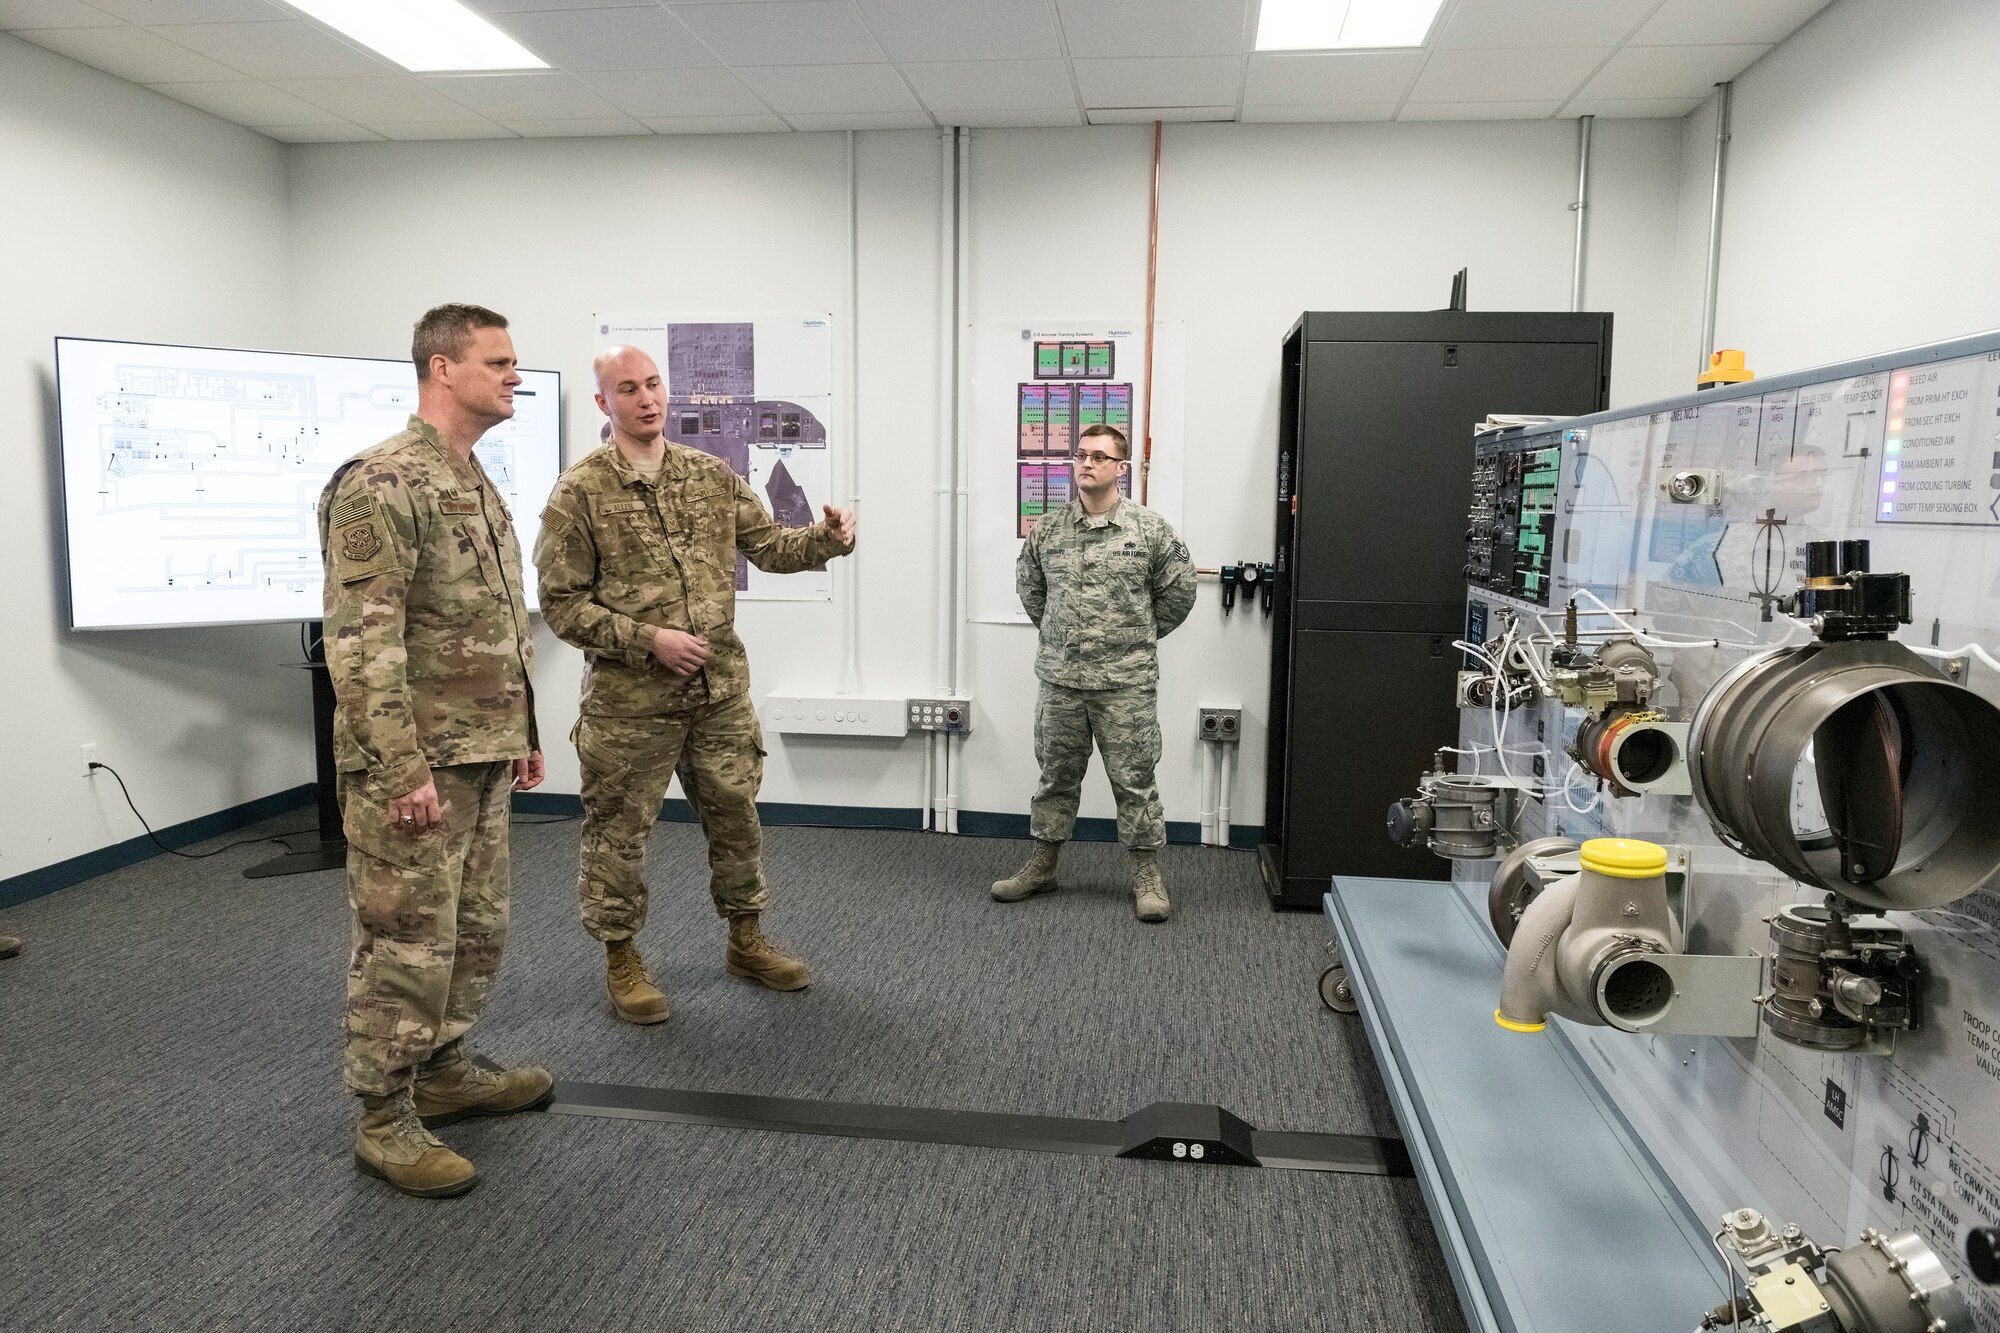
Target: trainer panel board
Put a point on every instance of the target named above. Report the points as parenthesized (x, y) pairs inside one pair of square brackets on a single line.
[(191, 475), (1903, 450)]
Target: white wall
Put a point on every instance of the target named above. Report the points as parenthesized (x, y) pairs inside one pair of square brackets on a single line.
[(1861, 197), (128, 216), (1258, 223), (550, 232)]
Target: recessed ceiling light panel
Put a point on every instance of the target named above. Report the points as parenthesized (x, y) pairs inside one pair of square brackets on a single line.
[(423, 36), (1344, 25)]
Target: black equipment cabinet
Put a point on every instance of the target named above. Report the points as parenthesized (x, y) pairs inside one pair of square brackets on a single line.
[(1375, 420)]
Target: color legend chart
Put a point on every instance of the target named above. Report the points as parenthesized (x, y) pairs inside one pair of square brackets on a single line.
[(1941, 450)]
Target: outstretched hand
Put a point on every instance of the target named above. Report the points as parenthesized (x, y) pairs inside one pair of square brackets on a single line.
[(839, 522)]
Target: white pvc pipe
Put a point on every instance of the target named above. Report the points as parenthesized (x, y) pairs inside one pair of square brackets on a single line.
[(936, 758), (962, 433), (849, 570), (1713, 284), (1223, 795), (1208, 776)]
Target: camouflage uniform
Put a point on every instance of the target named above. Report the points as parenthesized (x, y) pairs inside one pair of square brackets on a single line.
[(1103, 590), (621, 554), (427, 643)]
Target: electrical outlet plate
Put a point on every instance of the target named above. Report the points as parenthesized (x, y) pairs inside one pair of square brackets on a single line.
[(836, 715), (1221, 725), (89, 752), (942, 714)]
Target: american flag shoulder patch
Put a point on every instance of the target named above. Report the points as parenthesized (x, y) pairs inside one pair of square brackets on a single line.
[(353, 510)]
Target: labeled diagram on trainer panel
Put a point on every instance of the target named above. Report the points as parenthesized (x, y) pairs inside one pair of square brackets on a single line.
[(1726, 788), (1034, 391), (758, 394), (193, 475)]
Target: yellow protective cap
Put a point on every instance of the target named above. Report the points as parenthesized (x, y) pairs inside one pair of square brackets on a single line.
[(1725, 367), (1624, 858), (1512, 1026)]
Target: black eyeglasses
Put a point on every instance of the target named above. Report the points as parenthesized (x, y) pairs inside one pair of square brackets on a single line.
[(1092, 456)]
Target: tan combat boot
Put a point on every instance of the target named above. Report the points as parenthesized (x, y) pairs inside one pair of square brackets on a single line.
[(1037, 876), (454, 1086), (393, 1144), (752, 956), (634, 997), (1149, 891)]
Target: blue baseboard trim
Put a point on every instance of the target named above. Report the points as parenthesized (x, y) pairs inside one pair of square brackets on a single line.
[(35, 883), (971, 823)]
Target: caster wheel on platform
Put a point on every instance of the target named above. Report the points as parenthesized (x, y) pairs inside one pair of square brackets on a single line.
[(1335, 993)]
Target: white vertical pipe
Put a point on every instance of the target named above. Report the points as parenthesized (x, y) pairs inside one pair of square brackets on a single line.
[(1223, 793), (848, 569), (962, 431), (936, 758), (1715, 225), (1581, 206), (1208, 776)]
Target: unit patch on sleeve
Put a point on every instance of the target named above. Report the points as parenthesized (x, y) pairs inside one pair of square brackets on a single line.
[(360, 542)]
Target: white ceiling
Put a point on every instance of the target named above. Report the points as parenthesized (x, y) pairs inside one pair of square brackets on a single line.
[(709, 66)]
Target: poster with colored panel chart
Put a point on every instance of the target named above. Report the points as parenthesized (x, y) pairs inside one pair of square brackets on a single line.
[(756, 392), (1035, 391)]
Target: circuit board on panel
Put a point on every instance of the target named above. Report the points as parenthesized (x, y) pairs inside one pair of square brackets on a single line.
[(1693, 527)]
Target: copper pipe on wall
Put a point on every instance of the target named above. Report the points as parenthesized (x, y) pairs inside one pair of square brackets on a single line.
[(1152, 283)]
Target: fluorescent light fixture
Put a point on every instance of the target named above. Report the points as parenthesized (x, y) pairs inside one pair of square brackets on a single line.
[(423, 36), (1333, 25)]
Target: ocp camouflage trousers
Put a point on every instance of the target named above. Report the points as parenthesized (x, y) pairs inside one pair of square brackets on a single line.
[(627, 762), (430, 920), (1125, 725)]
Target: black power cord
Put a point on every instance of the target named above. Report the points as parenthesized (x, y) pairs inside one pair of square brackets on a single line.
[(191, 856)]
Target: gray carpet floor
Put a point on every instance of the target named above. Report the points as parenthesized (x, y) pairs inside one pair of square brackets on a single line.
[(174, 1142)]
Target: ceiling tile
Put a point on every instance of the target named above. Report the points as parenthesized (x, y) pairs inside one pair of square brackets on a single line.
[(1633, 108), (1479, 110), (1505, 76), (783, 32), (391, 98), (1330, 76), (971, 30), (1107, 28), (293, 50), (713, 124), (319, 134), (600, 128), (515, 6), (593, 39), (539, 96), (1193, 81), (1014, 119), (1670, 71), (1516, 23), (986, 85), (153, 13), (1730, 22), (1288, 115), (131, 53), (252, 104), (1146, 115), (680, 92), (891, 120), (443, 129), (16, 15), (830, 89)]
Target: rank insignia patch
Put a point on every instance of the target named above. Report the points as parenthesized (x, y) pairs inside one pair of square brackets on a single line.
[(360, 541)]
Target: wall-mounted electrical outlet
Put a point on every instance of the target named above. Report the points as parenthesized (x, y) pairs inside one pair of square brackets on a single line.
[(1221, 724), (947, 715), (89, 751), (839, 715)]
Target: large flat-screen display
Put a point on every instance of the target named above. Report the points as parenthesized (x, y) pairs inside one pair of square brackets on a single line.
[(191, 475)]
